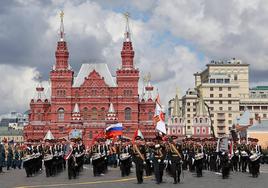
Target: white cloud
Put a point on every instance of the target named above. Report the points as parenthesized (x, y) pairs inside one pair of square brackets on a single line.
[(17, 87)]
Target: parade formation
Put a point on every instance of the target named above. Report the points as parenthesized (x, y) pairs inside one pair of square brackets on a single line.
[(158, 156)]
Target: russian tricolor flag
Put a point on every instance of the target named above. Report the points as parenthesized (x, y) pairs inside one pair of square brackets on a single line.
[(114, 130)]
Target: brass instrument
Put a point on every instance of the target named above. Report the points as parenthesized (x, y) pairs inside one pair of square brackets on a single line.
[(136, 149), (174, 150)]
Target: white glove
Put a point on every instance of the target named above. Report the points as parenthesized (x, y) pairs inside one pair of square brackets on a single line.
[(169, 162)]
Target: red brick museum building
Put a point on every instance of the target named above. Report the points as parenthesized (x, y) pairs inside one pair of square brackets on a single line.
[(93, 99)]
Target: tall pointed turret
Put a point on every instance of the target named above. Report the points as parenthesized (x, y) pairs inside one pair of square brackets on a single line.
[(176, 110), (76, 113), (111, 115), (62, 54), (201, 108), (127, 53)]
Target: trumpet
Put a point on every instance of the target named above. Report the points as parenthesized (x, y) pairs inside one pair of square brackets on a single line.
[(136, 149)]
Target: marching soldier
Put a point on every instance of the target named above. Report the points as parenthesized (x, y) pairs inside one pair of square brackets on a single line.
[(10, 156), (2, 157), (175, 157), (125, 160), (225, 165), (149, 159), (158, 163), (139, 159), (198, 161)]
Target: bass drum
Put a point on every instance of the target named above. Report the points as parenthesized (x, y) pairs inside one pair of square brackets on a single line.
[(254, 157), (124, 156), (48, 157)]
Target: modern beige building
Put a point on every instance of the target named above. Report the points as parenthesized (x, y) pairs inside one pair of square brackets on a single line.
[(223, 84), (257, 103), (225, 89)]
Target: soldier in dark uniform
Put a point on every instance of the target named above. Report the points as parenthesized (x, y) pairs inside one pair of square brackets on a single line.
[(125, 160), (244, 158), (16, 158), (149, 158), (48, 160), (158, 163), (96, 159), (72, 165), (235, 160), (2, 157), (10, 156), (175, 157), (225, 165), (139, 159), (198, 162)]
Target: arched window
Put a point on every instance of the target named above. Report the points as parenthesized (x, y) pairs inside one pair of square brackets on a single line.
[(94, 114), (102, 113), (61, 114), (196, 120), (128, 114), (201, 120), (90, 135), (85, 113), (150, 115), (176, 120)]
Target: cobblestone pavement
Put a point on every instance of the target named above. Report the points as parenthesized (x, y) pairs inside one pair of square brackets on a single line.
[(17, 178)]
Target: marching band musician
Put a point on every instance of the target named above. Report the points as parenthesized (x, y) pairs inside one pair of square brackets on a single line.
[(2, 157), (10, 156), (198, 160), (124, 158), (48, 156), (139, 158), (175, 157), (255, 160), (71, 161), (244, 157), (235, 159), (149, 158), (96, 159)]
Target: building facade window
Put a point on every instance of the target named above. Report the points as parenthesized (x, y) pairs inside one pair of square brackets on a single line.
[(90, 135), (128, 114), (85, 113), (61, 114), (94, 113), (150, 115), (102, 113)]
